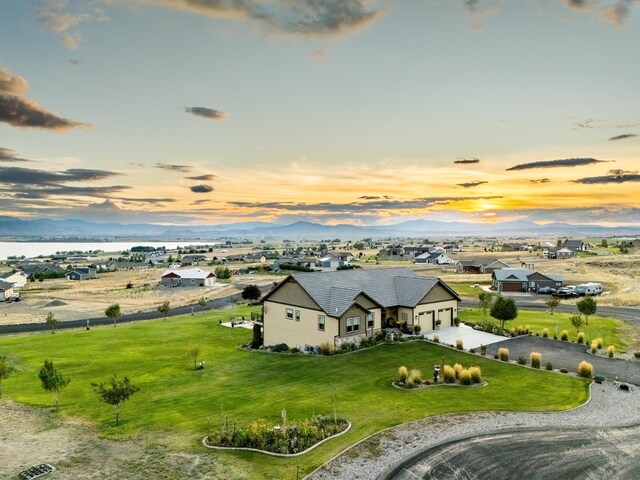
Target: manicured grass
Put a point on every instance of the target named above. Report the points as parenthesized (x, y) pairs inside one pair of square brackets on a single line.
[(466, 289), (612, 331), (175, 401)]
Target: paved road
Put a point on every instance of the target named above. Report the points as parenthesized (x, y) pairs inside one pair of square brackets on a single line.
[(568, 355), (630, 315), (529, 453)]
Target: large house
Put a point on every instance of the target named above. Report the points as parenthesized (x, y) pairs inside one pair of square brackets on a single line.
[(434, 258), (6, 290), (17, 279), (480, 266), (193, 277), (308, 309), (522, 280), (81, 273), (576, 245)]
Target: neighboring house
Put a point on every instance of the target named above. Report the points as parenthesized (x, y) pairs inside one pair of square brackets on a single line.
[(254, 258), (391, 251), (193, 277), (307, 309), (6, 290), (576, 245), (193, 259), (522, 280), (344, 256), (235, 258), (435, 258), (18, 278), (480, 266), (330, 263), (564, 252), (81, 273), (416, 251), (32, 268)]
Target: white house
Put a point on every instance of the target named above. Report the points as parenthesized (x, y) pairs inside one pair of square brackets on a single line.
[(18, 278), (193, 277), (435, 257)]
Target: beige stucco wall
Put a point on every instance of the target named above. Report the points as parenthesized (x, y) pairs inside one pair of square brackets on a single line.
[(293, 294), (278, 329), (354, 311), (436, 307)]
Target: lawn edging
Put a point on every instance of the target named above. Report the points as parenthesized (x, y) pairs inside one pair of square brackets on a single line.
[(274, 454), (483, 383)]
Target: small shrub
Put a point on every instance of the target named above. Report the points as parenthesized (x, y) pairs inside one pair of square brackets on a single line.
[(522, 361), (294, 350), (548, 366), (611, 350), (581, 337), (564, 335), (417, 329), (545, 332), (475, 374), (414, 378), (503, 353), (448, 374), (403, 373), (637, 355), (585, 370), (599, 342), (599, 379), (594, 346), (465, 377), (457, 368), (527, 330), (483, 349), (564, 370), (459, 344), (435, 339), (473, 350), (365, 341), (495, 355), (536, 359), (280, 347), (519, 330), (327, 348)]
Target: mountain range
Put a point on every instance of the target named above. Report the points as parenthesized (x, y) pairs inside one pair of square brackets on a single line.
[(43, 229)]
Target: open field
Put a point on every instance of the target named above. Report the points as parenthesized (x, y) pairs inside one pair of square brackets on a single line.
[(612, 331), (175, 401)]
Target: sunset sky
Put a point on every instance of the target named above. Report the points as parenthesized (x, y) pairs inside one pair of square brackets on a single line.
[(363, 112)]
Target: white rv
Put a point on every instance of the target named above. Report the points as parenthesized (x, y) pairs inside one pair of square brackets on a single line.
[(589, 289)]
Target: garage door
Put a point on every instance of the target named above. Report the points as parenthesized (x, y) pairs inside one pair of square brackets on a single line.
[(512, 286), (445, 317)]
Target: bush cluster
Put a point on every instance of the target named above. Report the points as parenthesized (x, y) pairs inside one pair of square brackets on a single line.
[(548, 366), (522, 361), (585, 370), (457, 368)]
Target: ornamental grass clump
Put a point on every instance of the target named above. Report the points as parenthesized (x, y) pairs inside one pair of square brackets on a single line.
[(598, 342), (594, 346), (545, 332), (457, 368), (414, 378), (611, 350), (536, 359), (527, 329), (435, 339), (519, 330), (403, 373), (585, 370), (464, 377), (448, 374), (475, 374), (564, 335), (581, 337), (459, 344), (503, 353)]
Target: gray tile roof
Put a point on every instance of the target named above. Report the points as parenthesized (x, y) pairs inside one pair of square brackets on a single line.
[(521, 274), (335, 292), (5, 285)]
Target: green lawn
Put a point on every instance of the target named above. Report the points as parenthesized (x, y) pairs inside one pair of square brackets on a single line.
[(612, 331), (175, 401), (467, 289)]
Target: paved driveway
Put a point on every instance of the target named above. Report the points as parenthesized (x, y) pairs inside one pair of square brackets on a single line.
[(470, 338), (569, 355)]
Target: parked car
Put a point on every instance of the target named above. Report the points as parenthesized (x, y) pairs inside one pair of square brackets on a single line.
[(546, 290), (565, 292)]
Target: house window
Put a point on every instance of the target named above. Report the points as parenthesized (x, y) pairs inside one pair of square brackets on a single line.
[(321, 323), (289, 313), (405, 316), (353, 324), (297, 315), (370, 320)]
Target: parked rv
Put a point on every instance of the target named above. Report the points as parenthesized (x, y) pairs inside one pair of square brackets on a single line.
[(591, 288)]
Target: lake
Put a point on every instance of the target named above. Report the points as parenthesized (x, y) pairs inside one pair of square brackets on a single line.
[(33, 249)]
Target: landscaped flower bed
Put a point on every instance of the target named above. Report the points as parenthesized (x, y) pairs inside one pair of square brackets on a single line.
[(279, 439), (456, 375)]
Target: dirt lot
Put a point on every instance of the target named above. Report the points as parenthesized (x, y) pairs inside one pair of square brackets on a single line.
[(29, 437), (75, 300)]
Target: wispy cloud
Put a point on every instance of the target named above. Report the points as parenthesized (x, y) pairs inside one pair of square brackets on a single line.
[(208, 113), (465, 161), (32, 176), (54, 15), (19, 111), (470, 184), (174, 167), (539, 180), (612, 176), (201, 188), (7, 155), (590, 123), (565, 162), (203, 178), (623, 137), (614, 11)]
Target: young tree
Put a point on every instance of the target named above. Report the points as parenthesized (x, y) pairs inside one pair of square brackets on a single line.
[(115, 392), (504, 309), (251, 292), (52, 321), (576, 321), (52, 380), (6, 369), (164, 308), (222, 273), (194, 352), (202, 302), (113, 312), (587, 306), (553, 303), (486, 299)]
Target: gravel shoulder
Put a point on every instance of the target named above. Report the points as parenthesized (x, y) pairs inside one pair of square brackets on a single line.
[(607, 407)]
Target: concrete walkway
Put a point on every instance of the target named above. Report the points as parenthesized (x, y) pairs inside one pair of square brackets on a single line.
[(470, 338)]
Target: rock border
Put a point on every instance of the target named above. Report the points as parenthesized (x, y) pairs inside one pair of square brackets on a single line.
[(274, 454), (483, 383)]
